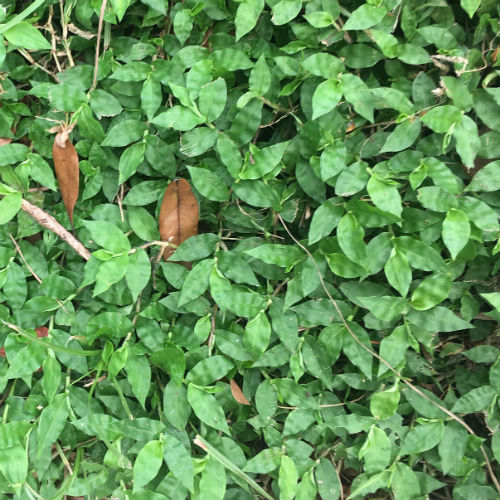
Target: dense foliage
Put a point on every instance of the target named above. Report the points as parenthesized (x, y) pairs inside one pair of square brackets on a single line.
[(335, 335)]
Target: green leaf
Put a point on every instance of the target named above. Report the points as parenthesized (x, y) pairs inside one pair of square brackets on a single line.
[(285, 11), (139, 376), (431, 292), (487, 179), (178, 118), (467, 140), (209, 370), (351, 239), (326, 96), (207, 409), (323, 64), (456, 231), (260, 77), (138, 272), (119, 7), (384, 195), (247, 15), (324, 220), (183, 24), (438, 319), (124, 133), (470, 6), (196, 282), (9, 206), (65, 97), (442, 118), (384, 404), (403, 136), (26, 36), (108, 236), (319, 19), (398, 272), (287, 479), (147, 463), (365, 17), (405, 482), (143, 223), (110, 272), (280, 255), (51, 423), (104, 104), (229, 154), (343, 266), (457, 90), (356, 354), (263, 161), (384, 308), (213, 480), (327, 480), (452, 445), (13, 153), (196, 247), (257, 335), (475, 400), (376, 450), (151, 97), (130, 159), (422, 438), (175, 405), (240, 302), (352, 179), (14, 465), (209, 184), (213, 98), (178, 460)]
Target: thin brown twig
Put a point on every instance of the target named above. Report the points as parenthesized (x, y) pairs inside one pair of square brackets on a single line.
[(97, 45), (27, 56), (210, 340), (47, 221), (53, 38), (386, 363), (119, 199), (330, 405), (20, 252), (337, 471), (64, 25), (30, 269)]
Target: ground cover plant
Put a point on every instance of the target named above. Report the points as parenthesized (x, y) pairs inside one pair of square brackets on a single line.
[(323, 178)]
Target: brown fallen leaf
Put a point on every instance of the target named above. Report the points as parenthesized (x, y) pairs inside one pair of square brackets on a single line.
[(238, 393), (67, 169), (4, 141), (179, 215)]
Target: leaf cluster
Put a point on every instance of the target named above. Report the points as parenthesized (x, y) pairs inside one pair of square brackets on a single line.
[(331, 331)]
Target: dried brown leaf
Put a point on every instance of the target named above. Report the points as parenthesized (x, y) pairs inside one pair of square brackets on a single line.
[(238, 393), (179, 215), (67, 170)]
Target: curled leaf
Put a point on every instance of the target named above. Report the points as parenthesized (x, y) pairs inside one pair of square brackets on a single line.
[(179, 215), (67, 169), (238, 393)]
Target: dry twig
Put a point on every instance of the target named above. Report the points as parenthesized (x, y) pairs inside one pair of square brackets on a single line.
[(47, 221)]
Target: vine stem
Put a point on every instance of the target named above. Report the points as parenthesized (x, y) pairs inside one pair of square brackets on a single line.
[(97, 45), (386, 363)]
